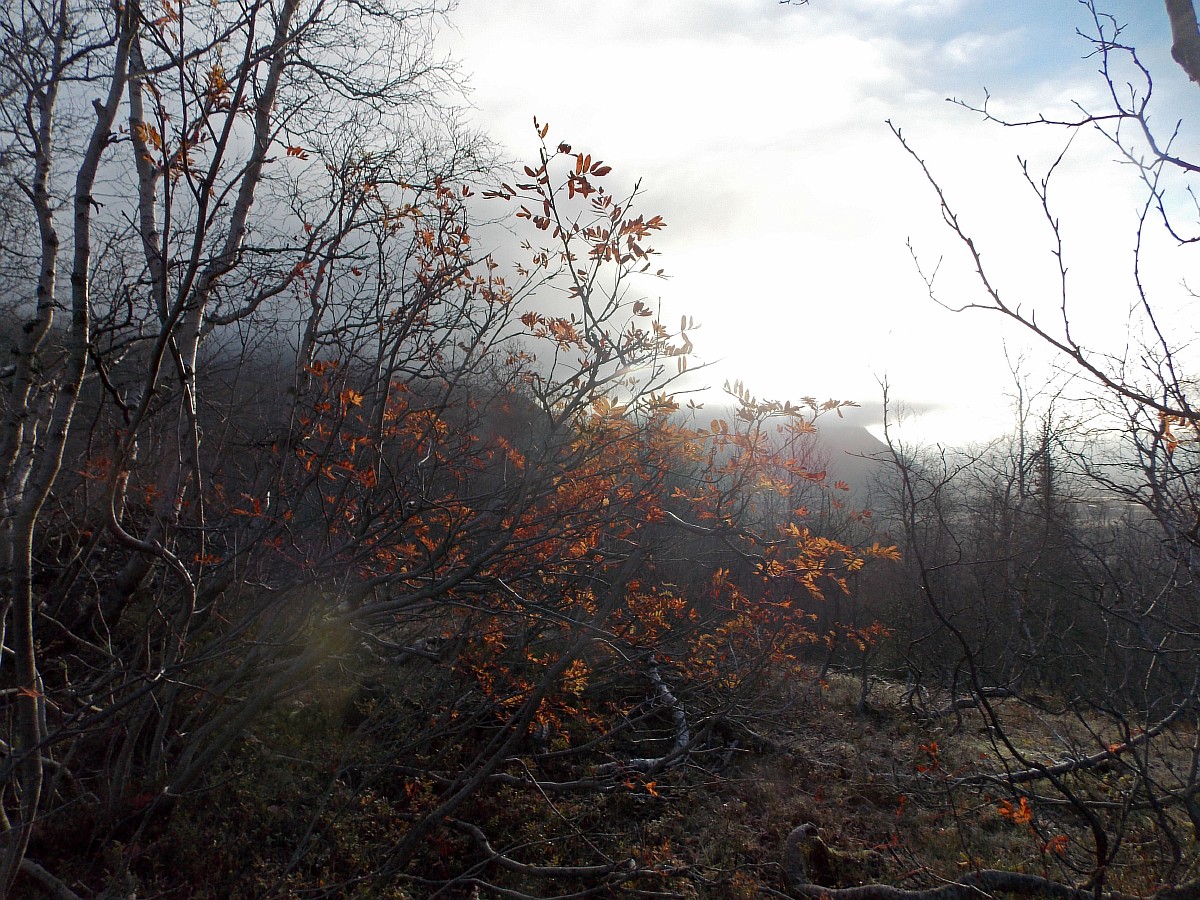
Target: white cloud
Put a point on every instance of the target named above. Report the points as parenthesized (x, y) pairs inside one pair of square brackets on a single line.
[(975, 48), (890, 9)]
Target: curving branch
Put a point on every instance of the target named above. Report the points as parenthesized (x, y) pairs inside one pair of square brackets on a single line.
[(52, 886), (625, 868), (668, 701)]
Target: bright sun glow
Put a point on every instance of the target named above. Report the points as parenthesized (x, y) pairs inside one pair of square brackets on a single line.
[(760, 134)]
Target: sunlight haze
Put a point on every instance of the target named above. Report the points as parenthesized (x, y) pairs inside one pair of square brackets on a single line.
[(759, 131)]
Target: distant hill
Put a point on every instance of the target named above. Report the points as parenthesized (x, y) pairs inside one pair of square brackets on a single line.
[(852, 454), (845, 448)]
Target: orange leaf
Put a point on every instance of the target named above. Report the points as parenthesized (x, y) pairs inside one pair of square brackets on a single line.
[(1021, 814), (1056, 844)]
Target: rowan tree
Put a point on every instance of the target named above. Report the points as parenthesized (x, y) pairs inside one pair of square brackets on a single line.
[(301, 427)]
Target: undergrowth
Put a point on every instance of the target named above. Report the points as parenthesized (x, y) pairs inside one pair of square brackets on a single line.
[(313, 800)]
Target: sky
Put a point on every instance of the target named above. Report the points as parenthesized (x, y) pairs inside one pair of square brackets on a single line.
[(759, 132)]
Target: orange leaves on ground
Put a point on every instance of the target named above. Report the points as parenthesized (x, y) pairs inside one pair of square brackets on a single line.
[(932, 757), (1019, 813), (1057, 845)]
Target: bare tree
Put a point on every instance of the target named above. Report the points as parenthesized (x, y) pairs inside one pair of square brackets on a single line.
[(201, 110), (1131, 673)]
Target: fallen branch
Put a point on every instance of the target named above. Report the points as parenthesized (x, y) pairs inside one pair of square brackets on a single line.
[(971, 702), (52, 886), (649, 764), (1104, 757), (626, 867), (805, 853)]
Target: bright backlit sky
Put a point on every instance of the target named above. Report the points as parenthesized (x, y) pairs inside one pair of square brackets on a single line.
[(759, 132)]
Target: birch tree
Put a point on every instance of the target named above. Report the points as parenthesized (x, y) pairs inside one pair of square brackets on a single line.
[(1138, 451), (148, 147)]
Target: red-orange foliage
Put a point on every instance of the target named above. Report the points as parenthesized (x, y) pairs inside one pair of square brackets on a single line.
[(519, 532), (484, 465)]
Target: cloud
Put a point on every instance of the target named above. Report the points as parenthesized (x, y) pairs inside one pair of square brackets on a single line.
[(890, 10), (759, 130), (978, 48)]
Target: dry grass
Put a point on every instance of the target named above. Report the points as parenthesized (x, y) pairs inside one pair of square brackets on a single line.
[(887, 780), (883, 786)]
